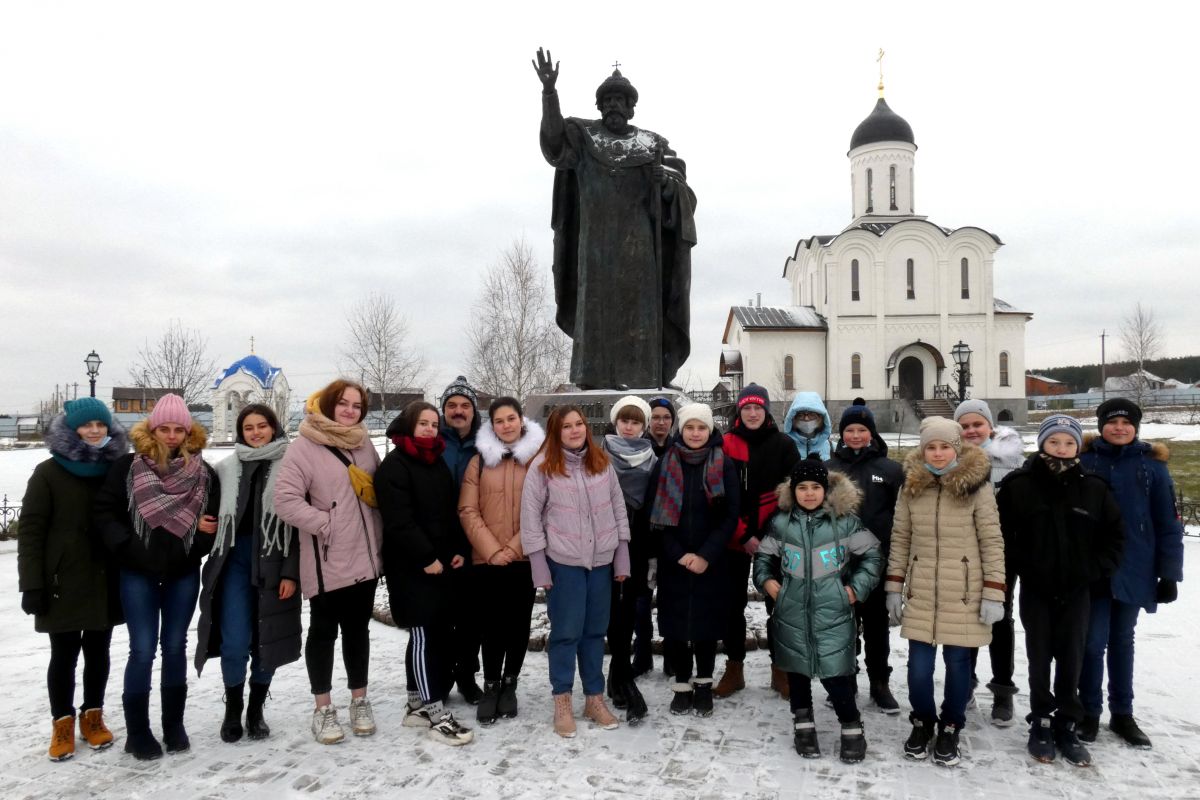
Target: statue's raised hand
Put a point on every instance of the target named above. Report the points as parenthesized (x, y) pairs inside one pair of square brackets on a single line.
[(546, 73)]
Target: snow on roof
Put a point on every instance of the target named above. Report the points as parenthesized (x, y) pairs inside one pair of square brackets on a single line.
[(1002, 307), (781, 317), (256, 367), (1041, 378)]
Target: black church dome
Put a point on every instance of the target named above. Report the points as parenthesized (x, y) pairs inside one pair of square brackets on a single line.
[(882, 125)]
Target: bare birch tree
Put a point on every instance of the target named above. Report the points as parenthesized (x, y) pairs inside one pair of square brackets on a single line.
[(1142, 340), (516, 347), (378, 351), (176, 360)]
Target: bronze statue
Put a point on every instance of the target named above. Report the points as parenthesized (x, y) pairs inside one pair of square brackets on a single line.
[(624, 226)]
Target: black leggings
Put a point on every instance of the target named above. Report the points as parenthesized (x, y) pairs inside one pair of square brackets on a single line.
[(350, 610), (506, 595), (679, 656), (841, 693), (60, 677)]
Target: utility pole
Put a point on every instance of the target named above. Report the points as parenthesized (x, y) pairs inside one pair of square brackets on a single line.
[(1103, 377)]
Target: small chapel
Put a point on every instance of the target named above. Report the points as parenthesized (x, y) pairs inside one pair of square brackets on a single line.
[(894, 309), (248, 380)]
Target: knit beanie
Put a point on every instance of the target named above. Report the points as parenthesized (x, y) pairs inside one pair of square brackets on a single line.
[(974, 407), (630, 400), (940, 429), (753, 393), (84, 410), (461, 387), (662, 402), (1060, 423), (697, 411), (858, 414), (809, 469), (169, 409), (1118, 407)]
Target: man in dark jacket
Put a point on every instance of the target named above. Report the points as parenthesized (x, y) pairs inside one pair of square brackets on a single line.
[(764, 456), (863, 456), (1062, 533)]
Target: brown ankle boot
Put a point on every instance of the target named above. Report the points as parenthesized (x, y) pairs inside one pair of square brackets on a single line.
[(564, 716), (732, 681), (62, 739), (595, 709), (779, 682), (93, 730)]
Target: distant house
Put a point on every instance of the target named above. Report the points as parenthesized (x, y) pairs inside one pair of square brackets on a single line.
[(1040, 385), (138, 399), (1140, 380), (394, 401)]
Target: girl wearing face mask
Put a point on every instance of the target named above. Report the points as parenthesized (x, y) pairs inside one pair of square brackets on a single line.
[(65, 583), (807, 422), (339, 547), (489, 507), (249, 603), (157, 514)]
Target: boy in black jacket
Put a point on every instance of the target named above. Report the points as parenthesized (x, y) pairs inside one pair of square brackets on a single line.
[(863, 455), (1062, 532)]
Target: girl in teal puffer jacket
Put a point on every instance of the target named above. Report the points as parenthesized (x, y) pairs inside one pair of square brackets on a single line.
[(816, 562)]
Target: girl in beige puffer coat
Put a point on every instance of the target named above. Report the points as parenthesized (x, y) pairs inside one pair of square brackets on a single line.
[(945, 577)]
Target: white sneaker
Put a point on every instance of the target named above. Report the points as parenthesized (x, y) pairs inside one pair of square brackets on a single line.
[(417, 718), (362, 719), (325, 726), (447, 730)]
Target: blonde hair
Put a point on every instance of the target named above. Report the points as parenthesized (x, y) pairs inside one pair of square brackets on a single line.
[(145, 444)]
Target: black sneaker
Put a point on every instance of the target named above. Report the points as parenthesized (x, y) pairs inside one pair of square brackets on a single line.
[(1125, 726), (804, 733), (617, 693), (1073, 751), (506, 703), (486, 712), (1041, 740), (702, 699), (885, 701), (854, 742), (681, 703), (470, 690), (636, 709), (945, 749), (1088, 729), (916, 746)]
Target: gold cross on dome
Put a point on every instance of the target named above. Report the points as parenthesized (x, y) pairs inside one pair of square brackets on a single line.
[(879, 58)]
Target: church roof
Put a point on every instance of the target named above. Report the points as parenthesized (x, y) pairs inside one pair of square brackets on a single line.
[(256, 367), (780, 318), (882, 125), (1001, 307)]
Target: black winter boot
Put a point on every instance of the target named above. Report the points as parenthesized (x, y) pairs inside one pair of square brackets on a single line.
[(174, 700), (1073, 751), (681, 703), (917, 745), (1002, 704), (1125, 726), (945, 749), (506, 704), (256, 726), (1041, 740), (231, 727), (469, 689), (139, 740), (617, 692), (702, 697), (1089, 728), (635, 710), (885, 701), (854, 742), (804, 733), (485, 712)]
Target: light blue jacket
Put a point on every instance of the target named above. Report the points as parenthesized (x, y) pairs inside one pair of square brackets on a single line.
[(819, 442)]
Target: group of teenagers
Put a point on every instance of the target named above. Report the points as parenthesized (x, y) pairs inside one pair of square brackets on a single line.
[(472, 511)]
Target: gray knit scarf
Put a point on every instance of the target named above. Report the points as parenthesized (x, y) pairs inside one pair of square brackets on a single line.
[(276, 534), (633, 460)]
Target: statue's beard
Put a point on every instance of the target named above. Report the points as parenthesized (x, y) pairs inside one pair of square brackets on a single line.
[(615, 121)]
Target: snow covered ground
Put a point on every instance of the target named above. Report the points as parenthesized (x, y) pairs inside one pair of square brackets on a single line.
[(743, 751)]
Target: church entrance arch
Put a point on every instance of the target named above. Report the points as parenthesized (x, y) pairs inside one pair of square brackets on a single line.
[(911, 377)]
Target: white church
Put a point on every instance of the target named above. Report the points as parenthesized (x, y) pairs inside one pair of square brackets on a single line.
[(881, 310), (248, 380)]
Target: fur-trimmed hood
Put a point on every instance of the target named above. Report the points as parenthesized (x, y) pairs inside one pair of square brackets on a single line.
[(973, 471), (492, 450), (1157, 450), (841, 498), (67, 444), (145, 444)]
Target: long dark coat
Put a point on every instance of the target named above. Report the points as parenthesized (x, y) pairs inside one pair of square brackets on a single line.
[(691, 607), (278, 624), (419, 505)]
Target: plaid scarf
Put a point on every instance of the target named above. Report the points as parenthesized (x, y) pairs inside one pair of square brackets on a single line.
[(668, 499), (173, 501)]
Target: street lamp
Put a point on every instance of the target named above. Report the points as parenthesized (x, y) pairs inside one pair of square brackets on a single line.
[(93, 369), (962, 359)]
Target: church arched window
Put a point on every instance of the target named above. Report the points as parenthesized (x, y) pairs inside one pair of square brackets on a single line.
[(856, 371), (870, 191), (789, 373), (854, 295), (892, 187), (965, 280), (1004, 369), (912, 203), (910, 279)]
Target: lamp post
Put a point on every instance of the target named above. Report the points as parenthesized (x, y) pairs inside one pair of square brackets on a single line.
[(93, 369), (962, 359)]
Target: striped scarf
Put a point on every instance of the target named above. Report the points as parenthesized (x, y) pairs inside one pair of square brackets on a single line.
[(668, 499), (173, 501)]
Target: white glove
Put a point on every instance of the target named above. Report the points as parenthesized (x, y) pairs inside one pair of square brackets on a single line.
[(991, 612), (895, 607), (652, 574)]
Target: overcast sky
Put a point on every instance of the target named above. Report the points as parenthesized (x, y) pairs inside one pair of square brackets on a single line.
[(254, 169)]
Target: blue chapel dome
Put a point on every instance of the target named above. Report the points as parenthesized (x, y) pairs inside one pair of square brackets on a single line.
[(256, 367)]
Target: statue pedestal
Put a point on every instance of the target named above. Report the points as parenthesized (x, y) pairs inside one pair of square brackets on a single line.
[(596, 404)]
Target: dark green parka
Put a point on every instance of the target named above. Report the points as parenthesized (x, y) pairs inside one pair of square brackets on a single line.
[(815, 557)]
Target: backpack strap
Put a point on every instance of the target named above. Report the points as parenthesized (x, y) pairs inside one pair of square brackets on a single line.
[(340, 455)]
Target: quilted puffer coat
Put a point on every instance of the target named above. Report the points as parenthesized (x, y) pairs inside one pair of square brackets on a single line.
[(947, 553)]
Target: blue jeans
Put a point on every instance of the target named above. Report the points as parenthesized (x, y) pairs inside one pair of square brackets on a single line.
[(1110, 627), (578, 606), (147, 601), (239, 620), (922, 659)]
